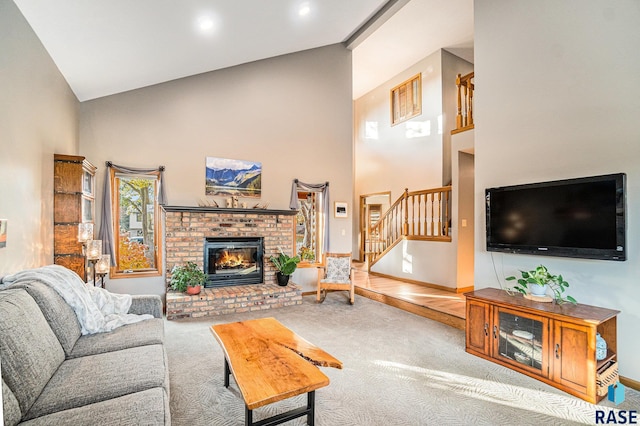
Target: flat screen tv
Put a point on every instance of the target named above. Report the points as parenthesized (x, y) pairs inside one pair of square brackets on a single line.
[(583, 217)]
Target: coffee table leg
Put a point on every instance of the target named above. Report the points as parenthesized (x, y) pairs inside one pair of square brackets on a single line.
[(311, 406), (227, 373), (248, 416)]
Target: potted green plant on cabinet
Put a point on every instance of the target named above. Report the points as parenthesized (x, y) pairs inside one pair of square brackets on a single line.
[(537, 282), (187, 278), (285, 265)]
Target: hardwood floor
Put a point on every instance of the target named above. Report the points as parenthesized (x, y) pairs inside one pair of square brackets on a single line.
[(439, 305)]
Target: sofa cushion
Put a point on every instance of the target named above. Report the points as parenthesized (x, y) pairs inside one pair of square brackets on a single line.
[(146, 304), (62, 320), (11, 407), (96, 378), (30, 351), (148, 332), (149, 407)]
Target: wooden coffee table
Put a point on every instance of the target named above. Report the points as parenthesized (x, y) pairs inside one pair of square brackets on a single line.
[(270, 363)]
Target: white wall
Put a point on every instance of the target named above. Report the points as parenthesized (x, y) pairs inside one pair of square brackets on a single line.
[(423, 261), (292, 113), (559, 98), (452, 65), (462, 206), (392, 161), (38, 117)]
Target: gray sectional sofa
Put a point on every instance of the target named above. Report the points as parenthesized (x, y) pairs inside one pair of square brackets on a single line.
[(53, 375)]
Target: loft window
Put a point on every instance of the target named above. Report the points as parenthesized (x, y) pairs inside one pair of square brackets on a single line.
[(406, 100)]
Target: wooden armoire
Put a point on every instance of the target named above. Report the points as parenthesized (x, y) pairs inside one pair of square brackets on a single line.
[(73, 203)]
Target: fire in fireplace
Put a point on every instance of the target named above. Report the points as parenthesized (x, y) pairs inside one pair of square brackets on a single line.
[(233, 261)]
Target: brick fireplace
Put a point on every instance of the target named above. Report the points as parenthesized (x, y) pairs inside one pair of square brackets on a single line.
[(186, 232)]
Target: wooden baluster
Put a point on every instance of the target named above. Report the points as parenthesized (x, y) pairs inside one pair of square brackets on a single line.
[(465, 113), (446, 215), (459, 114), (405, 228), (419, 218), (432, 218), (413, 215), (425, 224), (439, 214), (470, 104)]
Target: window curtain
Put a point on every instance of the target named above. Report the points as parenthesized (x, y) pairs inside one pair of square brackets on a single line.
[(106, 222), (313, 187)]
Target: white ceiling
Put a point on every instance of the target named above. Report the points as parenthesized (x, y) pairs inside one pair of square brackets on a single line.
[(103, 47)]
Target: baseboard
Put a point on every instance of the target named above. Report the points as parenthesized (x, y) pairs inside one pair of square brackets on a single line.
[(422, 283), (630, 383)]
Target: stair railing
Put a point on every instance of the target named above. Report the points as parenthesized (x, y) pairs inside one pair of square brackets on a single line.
[(464, 117), (418, 215)]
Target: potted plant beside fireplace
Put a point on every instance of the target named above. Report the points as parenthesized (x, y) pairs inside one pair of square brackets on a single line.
[(187, 278), (285, 265)]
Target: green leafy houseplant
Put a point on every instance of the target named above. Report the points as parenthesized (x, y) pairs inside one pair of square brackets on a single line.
[(541, 276), (188, 275), (285, 263)]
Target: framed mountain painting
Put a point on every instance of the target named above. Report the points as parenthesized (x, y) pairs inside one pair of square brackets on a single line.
[(233, 177)]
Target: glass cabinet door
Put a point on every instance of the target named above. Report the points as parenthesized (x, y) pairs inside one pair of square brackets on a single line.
[(521, 340)]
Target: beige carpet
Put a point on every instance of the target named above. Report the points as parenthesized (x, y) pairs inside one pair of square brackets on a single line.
[(399, 369)]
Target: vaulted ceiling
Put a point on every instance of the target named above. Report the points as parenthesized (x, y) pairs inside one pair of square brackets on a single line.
[(103, 47)]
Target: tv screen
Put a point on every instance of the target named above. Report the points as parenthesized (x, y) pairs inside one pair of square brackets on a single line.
[(583, 217)]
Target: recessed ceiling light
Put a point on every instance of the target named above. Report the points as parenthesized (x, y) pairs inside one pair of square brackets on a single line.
[(205, 23), (304, 10)]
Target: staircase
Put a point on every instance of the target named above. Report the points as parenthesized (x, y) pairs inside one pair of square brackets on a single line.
[(418, 215)]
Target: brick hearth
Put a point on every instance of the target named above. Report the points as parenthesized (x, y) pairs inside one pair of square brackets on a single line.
[(228, 300), (185, 231)]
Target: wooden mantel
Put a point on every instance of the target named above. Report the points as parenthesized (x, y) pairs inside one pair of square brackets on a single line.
[(198, 209)]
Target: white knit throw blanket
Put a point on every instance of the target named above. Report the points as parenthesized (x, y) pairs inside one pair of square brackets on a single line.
[(97, 309)]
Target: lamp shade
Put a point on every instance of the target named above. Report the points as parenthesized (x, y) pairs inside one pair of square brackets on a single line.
[(103, 265), (85, 232), (94, 249)]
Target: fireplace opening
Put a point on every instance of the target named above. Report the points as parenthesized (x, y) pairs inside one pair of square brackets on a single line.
[(233, 261)]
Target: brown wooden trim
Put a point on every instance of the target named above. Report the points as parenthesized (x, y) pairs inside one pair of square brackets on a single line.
[(422, 283), (304, 265), (118, 275), (364, 222), (418, 96), (225, 210), (157, 231), (464, 289), (439, 239), (463, 129), (630, 383), (422, 311)]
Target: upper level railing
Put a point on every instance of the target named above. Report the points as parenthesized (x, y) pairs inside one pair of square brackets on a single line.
[(464, 117), (418, 215)]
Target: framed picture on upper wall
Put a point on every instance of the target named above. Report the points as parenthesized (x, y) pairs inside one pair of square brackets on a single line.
[(340, 209), (240, 178)]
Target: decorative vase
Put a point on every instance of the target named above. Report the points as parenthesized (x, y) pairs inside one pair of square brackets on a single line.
[(538, 290), (601, 348), (283, 280), (192, 290)]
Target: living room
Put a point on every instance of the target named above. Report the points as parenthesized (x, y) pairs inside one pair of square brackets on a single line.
[(555, 99)]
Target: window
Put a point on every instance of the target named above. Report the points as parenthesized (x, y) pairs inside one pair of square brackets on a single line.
[(406, 100), (136, 216), (308, 227)]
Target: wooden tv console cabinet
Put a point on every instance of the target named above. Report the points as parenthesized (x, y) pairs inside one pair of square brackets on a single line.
[(554, 343)]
